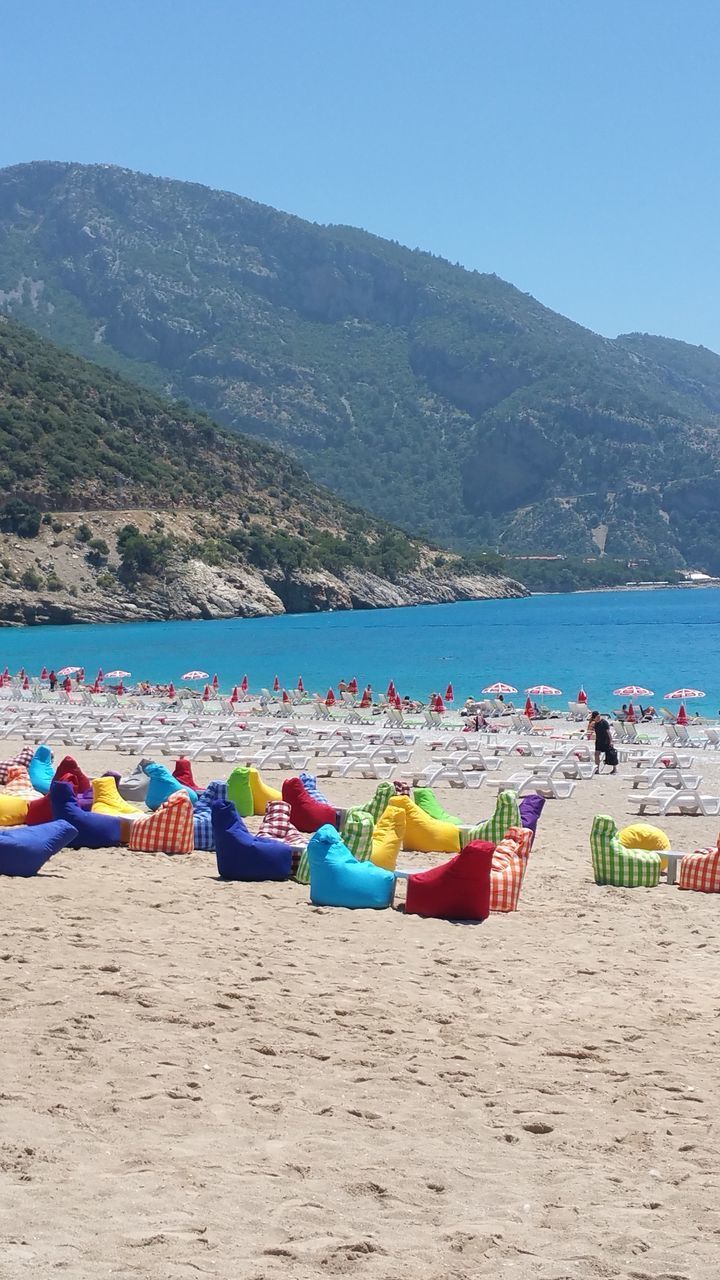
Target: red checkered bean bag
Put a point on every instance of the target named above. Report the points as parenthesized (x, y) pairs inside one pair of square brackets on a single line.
[(701, 871), (19, 784), (402, 788), (276, 825), (456, 890), (24, 756), (306, 814), (508, 869), (168, 830)]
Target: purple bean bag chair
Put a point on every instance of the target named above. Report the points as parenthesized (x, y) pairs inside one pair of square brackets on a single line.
[(530, 809)]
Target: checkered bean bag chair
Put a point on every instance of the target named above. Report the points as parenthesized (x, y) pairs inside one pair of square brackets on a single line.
[(24, 756), (380, 801), (276, 825), (202, 818), (402, 788), (616, 865), (456, 890), (701, 870), (509, 864), (19, 784), (168, 830), (337, 879), (309, 782), (506, 815)]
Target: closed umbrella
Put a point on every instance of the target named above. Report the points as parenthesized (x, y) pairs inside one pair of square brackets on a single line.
[(120, 689), (276, 685), (215, 681), (235, 696), (26, 683), (366, 700), (244, 685), (99, 677), (171, 690), (631, 714), (391, 690), (582, 696), (438, 704), (330, 698), (681, 715), (529, 707), (449, 695), (44, 674), (300, 685), (353, 686), (206, 693), (286, 696)]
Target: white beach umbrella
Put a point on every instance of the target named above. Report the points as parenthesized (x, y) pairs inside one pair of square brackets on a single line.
[(117, 675), (195, 675), (633, 691), (68, 671), (682, 694), (544, 690), (499, 687)]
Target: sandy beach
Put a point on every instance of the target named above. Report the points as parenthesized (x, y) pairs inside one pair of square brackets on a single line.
[(203, 1078)]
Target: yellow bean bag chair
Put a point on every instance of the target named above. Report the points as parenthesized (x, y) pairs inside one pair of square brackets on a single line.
[(262, 794), (424, 834), (641, 835), (107, 799), (388, 838), (13, 811)]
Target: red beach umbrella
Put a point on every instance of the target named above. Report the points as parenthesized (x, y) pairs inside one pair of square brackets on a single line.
[(44, 674), (26, 683), (171, 690), (582, 696), (353, 686), (681, 715), (631, 713), (6, 673), (99, 677), (234, 696), (398, 702), (438, 704), (286, 696), (391, 690), (330, 698), (206, 693), (95, 688), (276, 685), (120, 689), (244, 684), (300, 685), (528, 706), (449, 694), (215, 681), (366, 700)]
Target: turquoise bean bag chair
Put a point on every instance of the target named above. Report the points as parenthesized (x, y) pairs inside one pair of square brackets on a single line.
[(162, 785), (93, 830), (337, 879), (24, 850), (41, 770)]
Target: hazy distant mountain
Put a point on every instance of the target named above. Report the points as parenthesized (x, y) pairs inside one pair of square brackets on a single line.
[(443, 399)]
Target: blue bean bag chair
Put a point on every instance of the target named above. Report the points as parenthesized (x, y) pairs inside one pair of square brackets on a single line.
[(202, 818), (41, 770), (243, 856), (94, 830), (24, 850), (162, 785), (337, 879), (309, 782)]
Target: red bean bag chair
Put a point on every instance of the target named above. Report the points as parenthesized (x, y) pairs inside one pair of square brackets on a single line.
[(183, 772), (39, 811), (700, 870), (69, 770), (456, 890), (307, 814)]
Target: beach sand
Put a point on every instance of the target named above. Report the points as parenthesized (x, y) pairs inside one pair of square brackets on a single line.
[(214, 1079)]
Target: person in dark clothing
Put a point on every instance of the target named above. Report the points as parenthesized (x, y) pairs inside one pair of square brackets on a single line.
[(52, 681), (599, 726)]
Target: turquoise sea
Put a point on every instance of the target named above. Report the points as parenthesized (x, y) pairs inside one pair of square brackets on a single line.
[(661, 639)]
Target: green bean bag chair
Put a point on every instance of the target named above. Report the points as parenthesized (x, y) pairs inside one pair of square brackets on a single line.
[(616, 865), (239, 792), (380, 801), (425, 797), (506, 815)]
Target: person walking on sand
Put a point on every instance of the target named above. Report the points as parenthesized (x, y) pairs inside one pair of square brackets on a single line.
[(599, 726)]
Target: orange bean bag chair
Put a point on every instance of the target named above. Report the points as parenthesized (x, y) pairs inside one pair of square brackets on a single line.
[(509, 865)]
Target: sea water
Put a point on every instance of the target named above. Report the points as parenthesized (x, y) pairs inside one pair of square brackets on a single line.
[(660, 639)]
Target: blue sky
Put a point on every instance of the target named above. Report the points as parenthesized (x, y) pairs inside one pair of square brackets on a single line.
[(571, 146)]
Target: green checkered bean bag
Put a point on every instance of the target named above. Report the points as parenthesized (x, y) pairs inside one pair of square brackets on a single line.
[(616, 865), (506, 815), (379, 803), (357, 833)]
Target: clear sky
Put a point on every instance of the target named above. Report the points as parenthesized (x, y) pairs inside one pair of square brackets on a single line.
[(571, 146)]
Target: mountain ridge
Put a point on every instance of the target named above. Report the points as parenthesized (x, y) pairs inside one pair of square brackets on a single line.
[(444, 398)]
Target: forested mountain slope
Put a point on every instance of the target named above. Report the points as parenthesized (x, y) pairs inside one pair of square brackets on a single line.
[(444, 399)]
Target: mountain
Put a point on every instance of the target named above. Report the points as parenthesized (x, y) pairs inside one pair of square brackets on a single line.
[(443, 399), (115, 504)]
